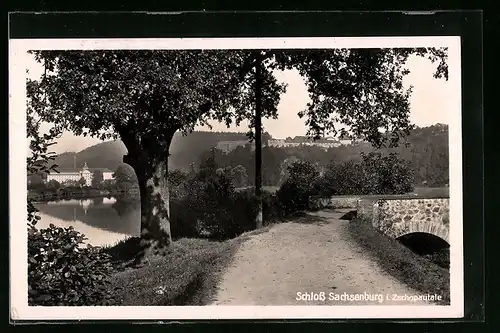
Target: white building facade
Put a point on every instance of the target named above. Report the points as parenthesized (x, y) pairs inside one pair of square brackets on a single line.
[(86, 173)]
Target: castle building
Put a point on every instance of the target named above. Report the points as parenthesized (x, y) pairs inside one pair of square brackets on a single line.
[(75, 174), (299, 141), (228, 146)]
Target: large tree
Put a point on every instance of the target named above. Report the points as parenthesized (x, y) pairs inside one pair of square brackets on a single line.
[(145, 96)]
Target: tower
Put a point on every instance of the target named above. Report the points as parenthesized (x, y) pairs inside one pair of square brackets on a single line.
[(86, 174)]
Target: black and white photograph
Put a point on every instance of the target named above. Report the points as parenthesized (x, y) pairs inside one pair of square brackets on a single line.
[(236, 178)]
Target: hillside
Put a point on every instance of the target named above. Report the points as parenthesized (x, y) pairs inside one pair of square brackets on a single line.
[(427, 151), (184, 150), (107, 154)]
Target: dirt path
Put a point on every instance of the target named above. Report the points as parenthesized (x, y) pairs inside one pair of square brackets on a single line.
[(313, 255)]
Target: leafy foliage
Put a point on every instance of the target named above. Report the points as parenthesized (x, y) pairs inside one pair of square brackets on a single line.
[(97, 178), (53, 184), (82, 181), (427, 153), (361, 89), (144, 97), (206, 204), (239, 175), (295, 192), (40, 159), (373, 174), (125, 176), (61, 272)]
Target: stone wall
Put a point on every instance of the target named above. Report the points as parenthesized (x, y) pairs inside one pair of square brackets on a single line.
[(399, 217), (364, 208)]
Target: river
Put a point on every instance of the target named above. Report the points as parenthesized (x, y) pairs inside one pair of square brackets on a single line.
[(104, 221)]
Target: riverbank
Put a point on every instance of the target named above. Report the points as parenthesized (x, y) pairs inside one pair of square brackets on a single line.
[(47, 196)]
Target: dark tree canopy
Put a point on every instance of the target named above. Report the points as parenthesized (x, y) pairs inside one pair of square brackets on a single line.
[(144, 95), (149, 93), (361, 89)]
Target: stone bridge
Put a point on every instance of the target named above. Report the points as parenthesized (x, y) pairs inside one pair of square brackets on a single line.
[(397, 216)]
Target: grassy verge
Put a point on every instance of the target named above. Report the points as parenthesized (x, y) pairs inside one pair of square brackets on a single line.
[(401, 263), (188, 274)]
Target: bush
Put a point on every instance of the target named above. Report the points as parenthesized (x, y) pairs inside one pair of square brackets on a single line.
[(214, 204), (440, 258), (63, 273), (295, 192), (373, 174), (207, 205), (109, 184), (53, 184), (271, 207)]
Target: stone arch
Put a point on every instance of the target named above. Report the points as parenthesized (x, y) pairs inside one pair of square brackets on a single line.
[(430, 227)]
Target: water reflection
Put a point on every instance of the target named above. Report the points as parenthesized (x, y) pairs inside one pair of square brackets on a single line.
[(104, 221)]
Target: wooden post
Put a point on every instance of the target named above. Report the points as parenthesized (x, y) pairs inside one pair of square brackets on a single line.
[(258, 138)]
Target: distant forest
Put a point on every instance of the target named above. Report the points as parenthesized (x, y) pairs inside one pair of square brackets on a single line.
[(427, 150)]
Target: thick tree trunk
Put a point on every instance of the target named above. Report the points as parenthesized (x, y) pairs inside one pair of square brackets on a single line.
[(152, 176), (155, 207)]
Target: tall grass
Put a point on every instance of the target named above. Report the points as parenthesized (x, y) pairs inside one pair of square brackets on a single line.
[(188, 274), (400, 262)]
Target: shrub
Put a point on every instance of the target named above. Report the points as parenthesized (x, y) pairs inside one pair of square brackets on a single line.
[(440, 258), (295, 192), (207, 205), (214, 205), (61, 272), (373, 174), (109, 184), (271, 207), (183, 222), (53, 184)]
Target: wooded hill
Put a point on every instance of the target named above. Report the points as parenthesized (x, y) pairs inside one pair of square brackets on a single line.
[(427, 150)]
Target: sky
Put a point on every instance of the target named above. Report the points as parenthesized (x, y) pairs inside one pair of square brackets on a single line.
[(430, 103)]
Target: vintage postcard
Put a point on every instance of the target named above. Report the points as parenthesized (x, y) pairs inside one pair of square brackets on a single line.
[(235, 178)]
